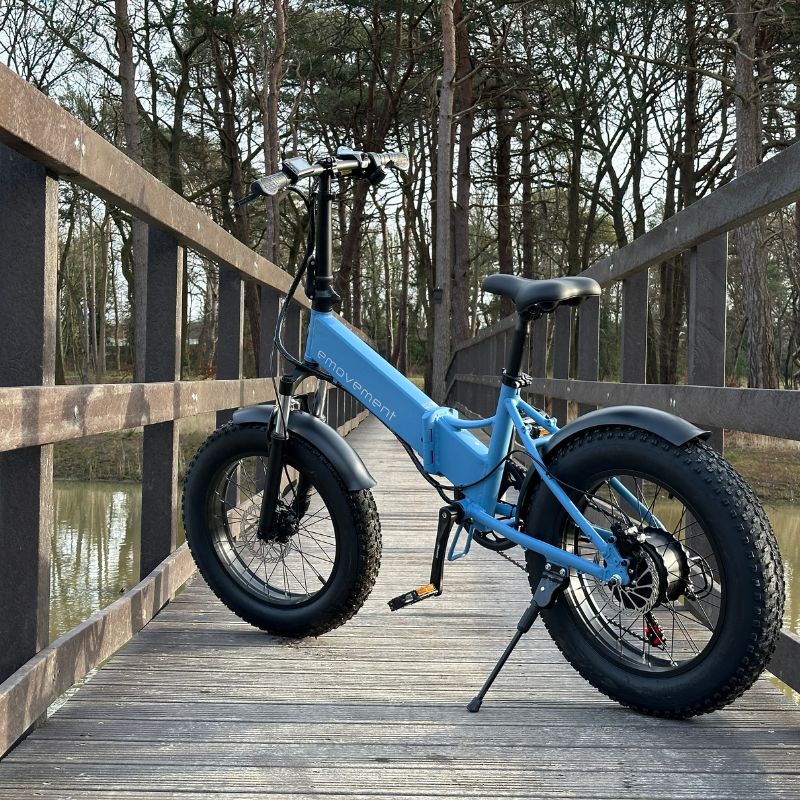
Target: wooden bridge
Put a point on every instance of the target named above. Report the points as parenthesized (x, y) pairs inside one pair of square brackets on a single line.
[(196, 702)]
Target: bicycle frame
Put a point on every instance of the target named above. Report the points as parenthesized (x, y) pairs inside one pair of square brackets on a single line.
[(447, 447)]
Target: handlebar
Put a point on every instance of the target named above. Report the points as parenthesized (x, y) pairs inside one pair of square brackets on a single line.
[(346, 162)]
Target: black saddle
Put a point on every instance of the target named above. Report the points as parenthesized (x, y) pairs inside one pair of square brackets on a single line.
[(541, 297)]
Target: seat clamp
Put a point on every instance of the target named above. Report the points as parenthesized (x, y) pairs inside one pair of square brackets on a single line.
[(517, 381)]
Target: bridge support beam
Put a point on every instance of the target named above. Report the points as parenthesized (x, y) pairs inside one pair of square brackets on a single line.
[(633, 335), (562, 348), (230, 326), (162, 363), (588, 345), (28, 314), (708, 277)]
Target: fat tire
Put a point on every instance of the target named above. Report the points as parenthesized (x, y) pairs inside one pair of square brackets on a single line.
[(354, 516), (747, 549)]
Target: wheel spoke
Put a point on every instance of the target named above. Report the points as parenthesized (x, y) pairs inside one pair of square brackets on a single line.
[(279, 568), (621, 618)]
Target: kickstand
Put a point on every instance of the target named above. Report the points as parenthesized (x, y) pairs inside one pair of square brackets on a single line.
[(551, 583)]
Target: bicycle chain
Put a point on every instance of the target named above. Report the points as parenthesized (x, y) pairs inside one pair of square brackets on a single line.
[(523, 567)]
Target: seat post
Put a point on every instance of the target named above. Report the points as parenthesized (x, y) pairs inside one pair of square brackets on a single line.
[(514, 361)]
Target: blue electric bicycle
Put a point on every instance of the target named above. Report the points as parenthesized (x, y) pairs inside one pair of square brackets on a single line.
[(651, 560)]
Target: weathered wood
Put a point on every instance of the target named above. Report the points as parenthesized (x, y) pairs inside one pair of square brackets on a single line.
[(230, 329), (785, 662), (708, 275), (588, 345), (633, 329), (539, 354), (184, 707), (771, 412), (291, 331), (28, 266), (38, 415), (162, 363), (26, 694), (562, 347), (270, 306)]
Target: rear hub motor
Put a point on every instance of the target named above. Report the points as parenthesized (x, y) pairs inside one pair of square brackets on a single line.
[(658, 571)]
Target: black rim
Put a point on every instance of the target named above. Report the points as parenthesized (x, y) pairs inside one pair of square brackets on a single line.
[(670, 619), (292, 569)]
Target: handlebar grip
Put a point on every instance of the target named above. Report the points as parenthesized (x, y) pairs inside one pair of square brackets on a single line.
[(392, 159), (272, 184)]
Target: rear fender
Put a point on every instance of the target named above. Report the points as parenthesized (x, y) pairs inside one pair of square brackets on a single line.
[(675, 430)]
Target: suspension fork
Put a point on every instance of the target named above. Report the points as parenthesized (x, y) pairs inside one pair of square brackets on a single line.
[(278, 437), (318, 406)]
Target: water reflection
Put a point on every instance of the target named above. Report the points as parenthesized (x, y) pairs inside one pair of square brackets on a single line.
[(785, 521), (95, 552)]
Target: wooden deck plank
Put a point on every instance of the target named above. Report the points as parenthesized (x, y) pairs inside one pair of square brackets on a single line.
[(199, 703)]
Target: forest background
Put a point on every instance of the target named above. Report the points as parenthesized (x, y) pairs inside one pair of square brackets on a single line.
[(542, 136)]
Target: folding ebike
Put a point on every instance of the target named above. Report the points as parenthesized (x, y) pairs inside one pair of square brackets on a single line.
[(652, 562)]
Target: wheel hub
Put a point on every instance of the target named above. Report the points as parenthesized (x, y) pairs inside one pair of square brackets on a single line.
[(286, 523), (658, 570)]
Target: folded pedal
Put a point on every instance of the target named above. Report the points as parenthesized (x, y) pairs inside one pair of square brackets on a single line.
[(414, 596), (447, 518)]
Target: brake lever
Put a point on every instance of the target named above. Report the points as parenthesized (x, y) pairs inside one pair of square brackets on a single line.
[(248, 198)]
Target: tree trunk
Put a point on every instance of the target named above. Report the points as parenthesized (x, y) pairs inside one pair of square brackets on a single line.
[(225, 71), (574, 197), (133, 148), (387, 283), (528, 224), (460, 214), (273, 67), (400, 355), (505, 253), (444, 188), (744, 30), (84, 306)]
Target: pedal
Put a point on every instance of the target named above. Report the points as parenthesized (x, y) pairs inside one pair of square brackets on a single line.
[(414, 596)]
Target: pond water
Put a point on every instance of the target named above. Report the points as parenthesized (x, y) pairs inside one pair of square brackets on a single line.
[(96, 550)]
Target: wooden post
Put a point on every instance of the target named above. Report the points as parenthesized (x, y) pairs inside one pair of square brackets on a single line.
[(291, 332), (162, 363), (708, 273), (270, 306), (562, 342), (633, 336), (588, 345), (229, 331), (28, 318), (539, 354)]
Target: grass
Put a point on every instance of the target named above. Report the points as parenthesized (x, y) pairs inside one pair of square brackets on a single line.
[(114, 456), (771, 466)]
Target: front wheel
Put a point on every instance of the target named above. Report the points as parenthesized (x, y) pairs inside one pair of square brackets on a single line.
[(314, 569), (702, 614)]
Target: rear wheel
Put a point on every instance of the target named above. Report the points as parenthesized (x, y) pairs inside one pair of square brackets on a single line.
[(314, 569), (702, 614)]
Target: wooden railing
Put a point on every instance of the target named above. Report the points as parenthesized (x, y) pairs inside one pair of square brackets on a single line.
[(702, 231), (39, 144)]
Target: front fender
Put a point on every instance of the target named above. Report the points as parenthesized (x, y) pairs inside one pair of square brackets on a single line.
[(675, 430), (346, 462)]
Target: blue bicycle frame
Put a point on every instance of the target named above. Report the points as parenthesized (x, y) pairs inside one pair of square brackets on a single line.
[(447, 447)]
